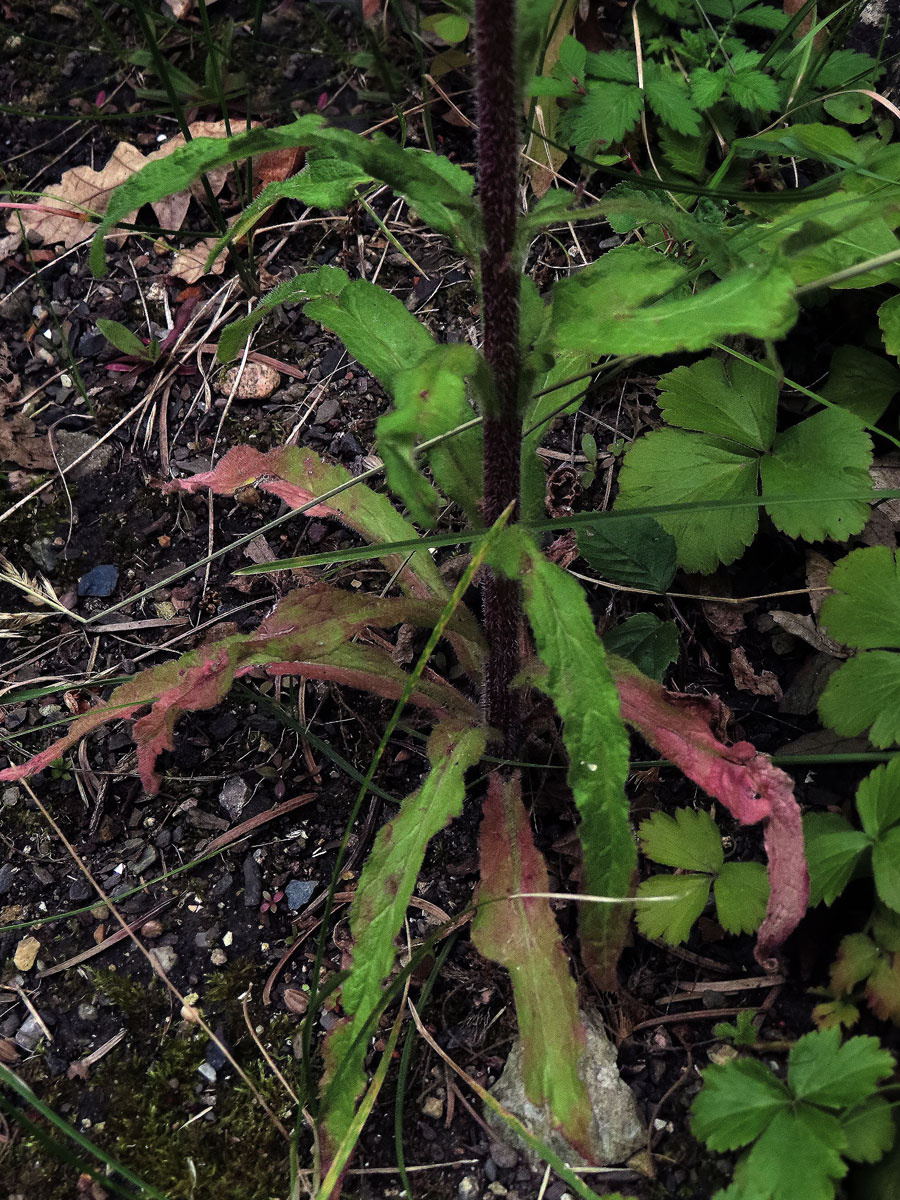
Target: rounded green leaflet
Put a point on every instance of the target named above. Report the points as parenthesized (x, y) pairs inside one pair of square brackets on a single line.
[(863, 610)]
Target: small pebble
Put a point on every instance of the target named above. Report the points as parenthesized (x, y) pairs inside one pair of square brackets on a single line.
[(100, 581), (299, 892), (29, 1034), (433, 1106), (218, 958), (165, 957), (233, 796), (207, 1072), (467, 1187), (88, 1012)]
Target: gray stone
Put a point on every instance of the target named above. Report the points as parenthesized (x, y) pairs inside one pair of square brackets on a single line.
[(43, 554), (7, 875), (207, 1072), (234, 795), (299, 892), (88, 1012), (165, 956), (29, 1034), (467, 1187), (252, 882), (616, 1129), (71, 444)]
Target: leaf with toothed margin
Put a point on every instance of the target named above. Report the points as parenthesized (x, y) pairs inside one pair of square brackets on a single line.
[(379, 907), (578, 682), (520, 932), (305, 634)]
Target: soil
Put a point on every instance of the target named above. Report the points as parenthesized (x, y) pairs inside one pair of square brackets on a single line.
[(89, 1026)]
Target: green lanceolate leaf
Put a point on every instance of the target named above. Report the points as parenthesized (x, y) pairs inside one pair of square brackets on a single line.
[(439, 190), (621, 305), (645, 640), (430, 399), (521, 933), (122, 338), (579, 683), (379, 907), (642, 555)]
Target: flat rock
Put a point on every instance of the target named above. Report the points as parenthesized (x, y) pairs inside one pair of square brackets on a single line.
[(616, 1130), (100, 581)]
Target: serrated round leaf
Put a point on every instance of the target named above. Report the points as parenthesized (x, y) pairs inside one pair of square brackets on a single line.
[(799, 1155), (883, 988), (856, 959), (822, 1071), (869, 1130), (671, 920), (886, 867), (645, 640), (884, 926), (671, 467), (827, 456), (732, 400), (863, 609), (833, 848), (690, 840), (878, 798), (741, 892), (863, 694), (889, 322), (738, 1101), (637, 553), (861, 382)]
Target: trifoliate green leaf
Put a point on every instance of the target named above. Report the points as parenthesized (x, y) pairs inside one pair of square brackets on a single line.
[(690, 839), (738, 1101), (861, 382), (707, 87), (869, 1130), (828, 454), (863, 609), (822, 1071), (638, 553), (886, 867), (878, 799), (798, 1155), (670, 98), (671, 920), (645, 640), (862, 694), (732, 400), (671, 467), (741, 892), (605, 114), (833, 848)]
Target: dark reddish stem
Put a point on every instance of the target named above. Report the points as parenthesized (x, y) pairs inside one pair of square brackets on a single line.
[(498, 176)]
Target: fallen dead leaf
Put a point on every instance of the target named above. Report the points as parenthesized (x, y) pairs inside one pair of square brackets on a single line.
[(818, 568), (802, 626), (190, 263), (746, 679), (26, 953)]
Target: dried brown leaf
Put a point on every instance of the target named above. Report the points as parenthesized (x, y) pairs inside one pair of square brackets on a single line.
[(747, 679)]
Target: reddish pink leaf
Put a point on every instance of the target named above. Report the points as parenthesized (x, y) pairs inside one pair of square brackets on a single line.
[(522, 935), (739, 777), (307, 633)]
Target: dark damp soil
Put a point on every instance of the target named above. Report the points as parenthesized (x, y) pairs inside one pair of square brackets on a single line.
[(89, 1027)]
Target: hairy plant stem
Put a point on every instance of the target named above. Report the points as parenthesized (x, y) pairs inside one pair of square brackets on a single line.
[(498, 164)]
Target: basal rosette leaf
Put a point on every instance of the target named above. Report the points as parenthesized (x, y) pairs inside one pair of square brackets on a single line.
[(581, 687), (297, 475), (745, 781), (305, 634), (430, 399), (673, 467), (822, 1071), (521, 933), (382, 897)]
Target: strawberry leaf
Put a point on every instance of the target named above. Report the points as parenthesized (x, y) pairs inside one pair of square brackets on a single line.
[(798, 1155), (671, 919), (869, 1130), (741, 892), (878, 798), (863, 609), (833, 849), (864, 693), (727, 399), (521, 933), (651, 644), (738, 1102), (856, 959), (886, 867), (861, 382), (822, 1071), (690, 840)]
